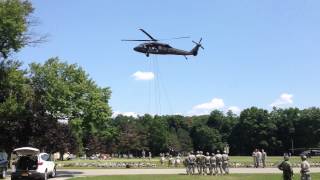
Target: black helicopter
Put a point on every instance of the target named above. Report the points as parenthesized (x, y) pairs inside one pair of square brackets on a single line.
[(153, 46)]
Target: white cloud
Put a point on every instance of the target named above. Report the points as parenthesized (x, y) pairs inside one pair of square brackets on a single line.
[(284, 100), (234, 109), (116, 113), (206, 108), (215, 103), (144, 76)]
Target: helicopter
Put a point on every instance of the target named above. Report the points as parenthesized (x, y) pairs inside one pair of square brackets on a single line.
[(153, 46)]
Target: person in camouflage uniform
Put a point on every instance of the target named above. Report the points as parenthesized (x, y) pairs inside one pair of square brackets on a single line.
[(213, 165), (264, 158), (225, 162), (305, 168), (187, 165), (207, 161), (202, 163), (254, 156), (219, 162), (286, 168), (191, 161), (198, 161)]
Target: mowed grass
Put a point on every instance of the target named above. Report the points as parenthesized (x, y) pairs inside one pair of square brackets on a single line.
[(185, 177), (271, 159), (246, 160)]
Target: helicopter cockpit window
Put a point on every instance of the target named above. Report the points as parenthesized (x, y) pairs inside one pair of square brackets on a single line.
[(167, 46)]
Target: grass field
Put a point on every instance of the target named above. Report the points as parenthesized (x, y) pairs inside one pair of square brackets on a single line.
[(185, 177), (244, 160)]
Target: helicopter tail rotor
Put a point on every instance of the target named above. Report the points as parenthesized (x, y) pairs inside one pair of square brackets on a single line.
[(199, 43), (194, 51)]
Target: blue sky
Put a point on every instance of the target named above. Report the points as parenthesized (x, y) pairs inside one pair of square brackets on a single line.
[(257, 53)]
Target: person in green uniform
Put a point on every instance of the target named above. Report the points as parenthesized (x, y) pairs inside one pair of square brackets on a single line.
[(286, 168)]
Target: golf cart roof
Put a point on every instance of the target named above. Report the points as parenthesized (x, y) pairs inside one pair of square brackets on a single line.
[(25, 151)]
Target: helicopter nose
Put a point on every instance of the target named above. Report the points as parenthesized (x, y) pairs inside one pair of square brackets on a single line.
[(136, 49)]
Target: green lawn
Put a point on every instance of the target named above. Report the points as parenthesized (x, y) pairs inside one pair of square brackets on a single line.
[(185, 177), (244, 160)]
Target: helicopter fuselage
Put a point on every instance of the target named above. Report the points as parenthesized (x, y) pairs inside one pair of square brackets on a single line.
[(160, 48)]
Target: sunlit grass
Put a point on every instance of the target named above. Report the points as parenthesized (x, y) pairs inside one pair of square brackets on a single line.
[(185, 177)]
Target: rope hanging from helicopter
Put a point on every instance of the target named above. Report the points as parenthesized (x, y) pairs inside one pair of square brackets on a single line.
[(158, 88)]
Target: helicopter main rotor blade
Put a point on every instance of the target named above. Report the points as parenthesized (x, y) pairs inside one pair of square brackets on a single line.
[(153, 39), (136, 40), (183, 37)]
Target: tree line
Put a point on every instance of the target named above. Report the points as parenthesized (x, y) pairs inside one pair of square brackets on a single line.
[(56, 106), (275, 131)]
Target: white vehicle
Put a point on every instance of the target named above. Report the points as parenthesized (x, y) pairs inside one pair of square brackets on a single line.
[(31, 164)]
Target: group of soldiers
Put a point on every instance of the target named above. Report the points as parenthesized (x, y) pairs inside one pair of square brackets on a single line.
[(286, 167), (214, 164), (259, 158)]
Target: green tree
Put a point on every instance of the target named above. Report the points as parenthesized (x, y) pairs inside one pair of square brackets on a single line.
[(15, 23), (185, 140), (285, 121), (130, 138), (66, 92), (254, 130), (15, 105), (158, 139), (206, 138), (307, 129)]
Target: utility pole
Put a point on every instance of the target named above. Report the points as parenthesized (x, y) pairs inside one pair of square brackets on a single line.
[(291, 131)]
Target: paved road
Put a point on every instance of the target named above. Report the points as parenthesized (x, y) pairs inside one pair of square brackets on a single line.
[(68, 173)]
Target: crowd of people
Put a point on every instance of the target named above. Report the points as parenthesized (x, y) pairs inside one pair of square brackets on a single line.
[(214, 164)]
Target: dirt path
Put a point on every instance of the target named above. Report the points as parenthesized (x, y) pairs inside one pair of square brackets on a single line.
[(64, 174)]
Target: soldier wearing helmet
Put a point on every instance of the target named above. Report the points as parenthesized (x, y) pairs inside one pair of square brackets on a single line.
[(207, 163), (213, 165), (198, 162), (219, 162), (286, 168), (191, 163), (225, 162), (305, 168)]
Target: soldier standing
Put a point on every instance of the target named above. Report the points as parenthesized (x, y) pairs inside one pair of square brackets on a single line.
[(192, 162), (219, 162), (198, 161), (225, 162), (305, 168), (150, 155), (143, 154), (170, 161), (286, 168), (178, 160), (258, 158), (162, 158), (264, 157), (208, 165), (187, 165), (254, 156), (202, 163), (213, 165)]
